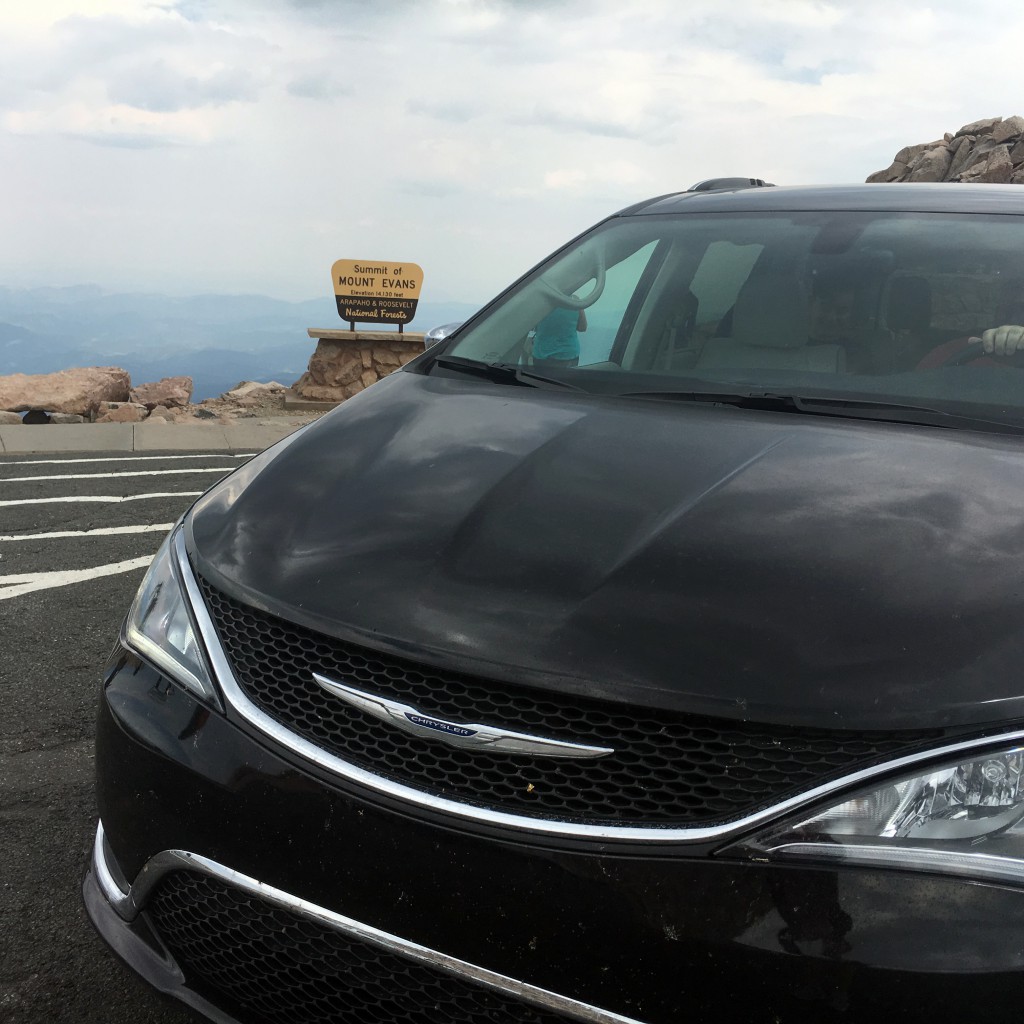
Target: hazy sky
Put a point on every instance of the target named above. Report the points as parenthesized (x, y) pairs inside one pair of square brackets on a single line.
[(244, 145)]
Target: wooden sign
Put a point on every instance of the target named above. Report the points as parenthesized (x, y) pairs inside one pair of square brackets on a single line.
[(374, 291)]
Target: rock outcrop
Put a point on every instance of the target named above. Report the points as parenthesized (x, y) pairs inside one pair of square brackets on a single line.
[(79, 390), (170, 392), (121, 412), (245, 400), (990, 150), (252, 394)]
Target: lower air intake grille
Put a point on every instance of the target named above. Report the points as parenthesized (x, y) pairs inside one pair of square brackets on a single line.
[(668, 768), (262, 963)]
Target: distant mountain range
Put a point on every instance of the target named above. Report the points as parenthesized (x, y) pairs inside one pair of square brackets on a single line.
[(217, 340)]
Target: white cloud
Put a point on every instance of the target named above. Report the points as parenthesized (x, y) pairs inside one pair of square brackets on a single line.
[(102, 74), (263, 139), (565, 179), (613, 174), (159, 88)]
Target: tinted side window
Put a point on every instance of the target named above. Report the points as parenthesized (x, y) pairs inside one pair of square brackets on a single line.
[(605, 315)]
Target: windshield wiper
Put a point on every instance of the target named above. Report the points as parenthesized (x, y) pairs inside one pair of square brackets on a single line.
[(852, 408), (503, 373)]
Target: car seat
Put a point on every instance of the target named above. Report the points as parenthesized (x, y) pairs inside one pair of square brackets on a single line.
[(770, 324)]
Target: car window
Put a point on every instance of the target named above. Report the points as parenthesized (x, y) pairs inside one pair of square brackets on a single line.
[(605, 316), (876, 305)]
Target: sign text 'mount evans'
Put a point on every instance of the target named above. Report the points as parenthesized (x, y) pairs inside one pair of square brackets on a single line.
[(373, 291)]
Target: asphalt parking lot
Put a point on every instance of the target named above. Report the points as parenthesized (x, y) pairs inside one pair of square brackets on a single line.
[(76, 532)]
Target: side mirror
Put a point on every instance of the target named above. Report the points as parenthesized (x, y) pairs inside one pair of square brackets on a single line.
[(436, 334)]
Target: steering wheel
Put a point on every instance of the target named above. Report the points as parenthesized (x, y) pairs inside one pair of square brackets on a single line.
[(570, 301), (975, 352)]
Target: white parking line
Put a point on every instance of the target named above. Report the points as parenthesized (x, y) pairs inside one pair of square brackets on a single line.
[(107, 531), (127, 458), (26, 583), (110, 476), (109, 498)]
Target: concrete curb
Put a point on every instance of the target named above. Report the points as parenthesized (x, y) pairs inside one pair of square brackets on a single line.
[(250, 435)]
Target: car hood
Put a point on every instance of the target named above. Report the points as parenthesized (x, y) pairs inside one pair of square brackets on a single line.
[(754, 565)]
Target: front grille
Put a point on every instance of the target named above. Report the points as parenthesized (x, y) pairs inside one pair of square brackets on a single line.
[(263, 963), (668, 768)]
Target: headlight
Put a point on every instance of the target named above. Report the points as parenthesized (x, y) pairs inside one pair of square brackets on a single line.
[(959, 819), (161, 629)]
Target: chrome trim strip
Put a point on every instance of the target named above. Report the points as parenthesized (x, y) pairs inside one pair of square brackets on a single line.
[(120, 900), (456, 734), (978, 866), (181, 860), (257, 718)]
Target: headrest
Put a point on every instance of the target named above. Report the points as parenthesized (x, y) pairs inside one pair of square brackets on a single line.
[(771, 312), (910, 304)]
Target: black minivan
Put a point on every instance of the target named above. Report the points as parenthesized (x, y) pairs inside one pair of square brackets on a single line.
[(650, 650)]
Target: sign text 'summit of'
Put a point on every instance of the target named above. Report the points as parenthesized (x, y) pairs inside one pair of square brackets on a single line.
[(376, 291)]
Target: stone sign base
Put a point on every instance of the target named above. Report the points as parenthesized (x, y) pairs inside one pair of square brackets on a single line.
[(296, 403), (346, 362)]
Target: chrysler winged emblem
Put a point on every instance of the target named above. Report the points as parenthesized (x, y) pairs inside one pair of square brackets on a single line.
[(457, 734)]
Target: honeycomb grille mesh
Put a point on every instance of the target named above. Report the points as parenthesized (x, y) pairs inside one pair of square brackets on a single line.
[(278, 967), (668, 768)]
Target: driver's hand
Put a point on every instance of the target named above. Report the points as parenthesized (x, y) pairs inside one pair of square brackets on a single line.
[(1001, 341)]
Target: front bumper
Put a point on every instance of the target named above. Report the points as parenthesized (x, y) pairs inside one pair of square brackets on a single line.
[(115, 910), (584, 933)]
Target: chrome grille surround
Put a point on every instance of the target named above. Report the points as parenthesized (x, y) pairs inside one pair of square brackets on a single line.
[(493, 817), (657, 768)]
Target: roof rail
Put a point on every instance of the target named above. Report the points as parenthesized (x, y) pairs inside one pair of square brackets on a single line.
[(714, 184)]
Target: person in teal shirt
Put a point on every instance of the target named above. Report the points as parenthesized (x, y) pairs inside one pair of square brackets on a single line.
[(556, 338)]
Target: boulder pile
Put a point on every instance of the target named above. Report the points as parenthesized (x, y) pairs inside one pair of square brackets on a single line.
[(990, 150), (104, 394)]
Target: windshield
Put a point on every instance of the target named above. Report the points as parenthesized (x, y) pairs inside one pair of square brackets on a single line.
[(914, 309)]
